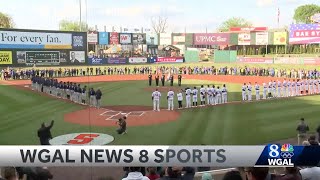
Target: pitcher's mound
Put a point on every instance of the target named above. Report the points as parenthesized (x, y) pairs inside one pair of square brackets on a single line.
[(108, 116)]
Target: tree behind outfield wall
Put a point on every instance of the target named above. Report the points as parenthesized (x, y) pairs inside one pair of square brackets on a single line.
[(159, 24), (303, 13), (6, 21), (234, 22), (65, 25)]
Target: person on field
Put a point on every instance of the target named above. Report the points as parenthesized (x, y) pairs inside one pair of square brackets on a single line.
[(170, 97), (244, 92), (98, 98), (122, 125), (180, 98), (156, 100), (302, 129), (92, 99), (318, 132), (44, 133)]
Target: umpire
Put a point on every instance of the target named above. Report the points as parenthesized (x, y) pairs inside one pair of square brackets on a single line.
[(44, 133)]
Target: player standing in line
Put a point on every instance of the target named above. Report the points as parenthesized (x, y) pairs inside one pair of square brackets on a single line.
[(318, 83), (209, 94), (92, 95), (202, 96), (310, 86), (265, 90), (170, 96), (214, 94), (274, 89), (218, 97), (224, 94), (269, 89), (293, 90), (315, 85), (188, 98), (284, 88), (257, 88), (302, 87), (180, 98), (195, 97), (279, 89), (298, 86), (156, 100), (244, 92), (83, 95), (289, 88), (249, 88)]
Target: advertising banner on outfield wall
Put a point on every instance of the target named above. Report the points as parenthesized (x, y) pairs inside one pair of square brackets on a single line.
[(211, 38), (165, 38), (304, 34), (152, 39), (250, 60), (118, 60), (125, 38), (137, 60), (262, 38), (178, 39), (139, 38), (92, 37), (311, 61), (103, 38), (97, 61), (5, 57), (114, 38), (288, 60), (244, 39), (169, 60), (279, 38)]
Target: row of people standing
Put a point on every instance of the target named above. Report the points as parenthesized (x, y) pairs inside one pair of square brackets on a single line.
[(67, 90), (211, 95)]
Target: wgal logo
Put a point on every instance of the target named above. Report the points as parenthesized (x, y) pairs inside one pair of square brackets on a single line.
[(280, 155)]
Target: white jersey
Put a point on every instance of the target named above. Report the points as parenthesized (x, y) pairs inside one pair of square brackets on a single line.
[(257, 87), (249, 88), (195, 92), (315, 82), (218, 91), (170, 95), (188, 92), (274, 85), (289, 83), (265, 87), (156, 95), (209, 91), (270, 85), (244, 88), (224, 90), (202, 91), (279, 84), (180, 96), (293, 84), (284, 84), (214, 91)]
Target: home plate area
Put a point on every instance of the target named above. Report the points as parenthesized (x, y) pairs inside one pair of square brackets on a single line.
[(112, 115)]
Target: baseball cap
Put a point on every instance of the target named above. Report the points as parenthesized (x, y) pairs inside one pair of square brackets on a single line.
[(206, 176)]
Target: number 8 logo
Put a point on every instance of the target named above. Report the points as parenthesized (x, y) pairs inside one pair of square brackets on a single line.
[(273, 151)]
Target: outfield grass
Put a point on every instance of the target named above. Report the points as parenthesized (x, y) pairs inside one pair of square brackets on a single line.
[(254, 123)]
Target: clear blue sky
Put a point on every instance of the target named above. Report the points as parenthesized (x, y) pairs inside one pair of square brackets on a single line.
[(195, 15)]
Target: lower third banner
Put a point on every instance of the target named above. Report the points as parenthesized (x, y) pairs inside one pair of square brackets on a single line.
[(169, 60)]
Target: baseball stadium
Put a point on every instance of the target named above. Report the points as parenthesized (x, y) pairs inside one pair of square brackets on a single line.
[(243, 86)]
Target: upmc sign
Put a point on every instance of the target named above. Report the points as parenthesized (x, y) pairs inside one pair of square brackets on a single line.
[(211, 39)]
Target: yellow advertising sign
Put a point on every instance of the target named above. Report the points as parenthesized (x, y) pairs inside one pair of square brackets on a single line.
[(280, 38), (5, 57)]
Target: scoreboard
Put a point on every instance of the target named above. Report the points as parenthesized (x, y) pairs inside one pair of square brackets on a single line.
[(43, 57)]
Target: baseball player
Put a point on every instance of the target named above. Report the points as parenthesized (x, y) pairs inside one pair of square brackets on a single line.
[(310, 86), (318, 85), (188, 98), (257, 88), (298, 86), (209, 94), (202, 96), (170, 96), (195, 97), (265, 90), (269, 89), (284, 88), (218, 95), (249, 88), (293, 89), (244, 92), (289, 88), (156, 100), (180, 98), (213, 97), (315, 86), (92, 95), (274, 89), (224, 94), (279, 89), (83, 95)]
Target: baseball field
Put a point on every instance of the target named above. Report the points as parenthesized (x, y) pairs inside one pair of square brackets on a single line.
[(23, 110)]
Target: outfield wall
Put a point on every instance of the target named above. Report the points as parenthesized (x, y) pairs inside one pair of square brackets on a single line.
[(280, 60)]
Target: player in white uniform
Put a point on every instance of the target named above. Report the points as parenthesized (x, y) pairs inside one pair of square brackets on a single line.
[(284, 88), (249, 88), (310, 86), (202, 96), (257, 89), (298, 86), (289, 88), (270, 90), (214, 94), (209, 94), (279, 89), (293, 89), (218, 96), (156, 100), (274, 89), (188, 98), (224, 94), (318, 83), (195, 97), (244, 92), (315, 86), (170, 96), (180, 99), (265, 90)]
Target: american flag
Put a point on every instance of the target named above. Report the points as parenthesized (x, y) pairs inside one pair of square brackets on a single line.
[(303, 27)]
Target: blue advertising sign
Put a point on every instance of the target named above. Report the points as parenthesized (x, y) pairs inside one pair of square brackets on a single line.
[(94, 61), (117, 60), (103, 38)]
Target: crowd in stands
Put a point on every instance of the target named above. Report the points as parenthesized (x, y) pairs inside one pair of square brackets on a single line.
[(177, 173), (27, 73)]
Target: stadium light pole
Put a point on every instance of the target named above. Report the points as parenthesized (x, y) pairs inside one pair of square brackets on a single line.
[(80, 14)]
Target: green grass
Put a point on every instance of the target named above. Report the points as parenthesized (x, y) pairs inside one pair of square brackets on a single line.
[(254, 123)]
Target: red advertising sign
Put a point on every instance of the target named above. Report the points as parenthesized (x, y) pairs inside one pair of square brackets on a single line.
[(211, 38), (169, 60), (236, 29), (114, 38), (250, 60), (311, 61)]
